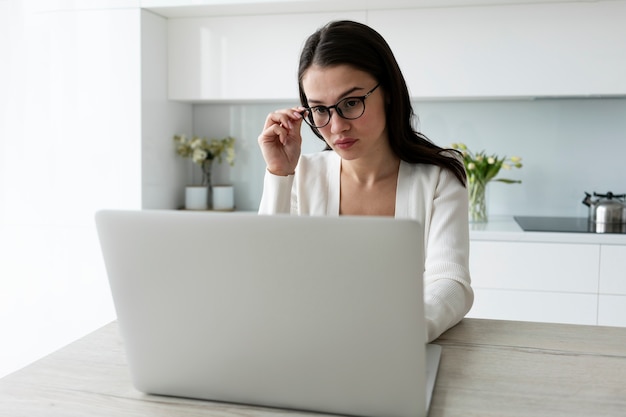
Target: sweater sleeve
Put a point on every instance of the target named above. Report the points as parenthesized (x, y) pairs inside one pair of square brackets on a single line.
[(448, 294), (276, 198)]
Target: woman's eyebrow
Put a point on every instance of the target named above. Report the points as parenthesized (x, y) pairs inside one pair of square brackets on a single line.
[(349, 91)]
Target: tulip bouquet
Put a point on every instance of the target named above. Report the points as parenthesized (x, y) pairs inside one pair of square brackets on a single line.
[(482, 168)]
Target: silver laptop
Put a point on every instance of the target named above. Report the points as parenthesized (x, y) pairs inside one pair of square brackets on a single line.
[(310, 313)]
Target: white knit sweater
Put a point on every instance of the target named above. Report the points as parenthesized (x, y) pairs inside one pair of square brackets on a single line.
[(429, 194)]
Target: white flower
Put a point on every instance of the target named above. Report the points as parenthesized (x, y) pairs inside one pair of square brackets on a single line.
[(196, 143), (230, 155), (201, 149), (199, 156)]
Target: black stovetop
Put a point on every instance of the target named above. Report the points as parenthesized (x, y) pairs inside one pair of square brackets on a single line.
[(566, 224)]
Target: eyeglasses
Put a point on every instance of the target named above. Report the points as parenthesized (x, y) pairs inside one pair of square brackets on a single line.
[(347, 108)]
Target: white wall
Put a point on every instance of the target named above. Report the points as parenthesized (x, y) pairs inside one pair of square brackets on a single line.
[(163, 171), (70, 142), (568, 146), (244, 122)]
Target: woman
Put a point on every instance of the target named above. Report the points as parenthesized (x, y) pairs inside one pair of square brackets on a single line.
[(354, 97)]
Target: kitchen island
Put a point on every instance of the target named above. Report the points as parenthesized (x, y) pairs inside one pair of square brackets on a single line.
[(488, 368)]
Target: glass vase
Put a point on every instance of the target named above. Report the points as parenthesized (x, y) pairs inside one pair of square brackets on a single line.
[(477, 201), (207, 166)]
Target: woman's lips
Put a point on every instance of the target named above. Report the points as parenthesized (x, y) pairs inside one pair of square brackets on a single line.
[(345, 143)]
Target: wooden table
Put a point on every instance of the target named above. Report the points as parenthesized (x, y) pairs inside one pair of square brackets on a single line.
[(488, 368)]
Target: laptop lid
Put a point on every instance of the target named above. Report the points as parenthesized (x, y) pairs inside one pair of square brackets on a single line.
[(313, 313)]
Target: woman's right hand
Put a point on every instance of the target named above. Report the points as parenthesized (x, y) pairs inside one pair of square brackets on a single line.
[(281, 141)]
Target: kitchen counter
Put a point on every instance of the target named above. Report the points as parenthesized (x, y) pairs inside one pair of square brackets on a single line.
[(505, 228), (556, 277), (488, 368)]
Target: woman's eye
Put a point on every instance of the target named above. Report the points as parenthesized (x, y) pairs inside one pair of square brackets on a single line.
[(319, 110), (350, 102)]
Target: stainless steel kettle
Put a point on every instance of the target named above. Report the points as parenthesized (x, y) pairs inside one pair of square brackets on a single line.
[(608, 208)]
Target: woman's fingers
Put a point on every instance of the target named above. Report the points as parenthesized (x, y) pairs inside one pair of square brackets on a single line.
[(280, 140), (285, 117), (281, 124)]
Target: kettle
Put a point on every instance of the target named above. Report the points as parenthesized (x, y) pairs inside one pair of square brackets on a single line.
[(607, 208)]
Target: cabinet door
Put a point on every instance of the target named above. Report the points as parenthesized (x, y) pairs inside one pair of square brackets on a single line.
[(534, 266), (240, 57), (540, 306), (535, 281), (613, 269), (612, 310), (509, 50), (612, 299)]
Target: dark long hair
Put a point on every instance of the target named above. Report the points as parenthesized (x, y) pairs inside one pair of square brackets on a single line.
[(361, 47)]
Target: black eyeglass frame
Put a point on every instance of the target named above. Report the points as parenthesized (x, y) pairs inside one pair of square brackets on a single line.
[(337, 109)]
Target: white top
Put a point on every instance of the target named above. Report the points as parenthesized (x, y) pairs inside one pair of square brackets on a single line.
[(427, 193)]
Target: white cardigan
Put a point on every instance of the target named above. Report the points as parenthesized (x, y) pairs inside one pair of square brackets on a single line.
[(426, 193)]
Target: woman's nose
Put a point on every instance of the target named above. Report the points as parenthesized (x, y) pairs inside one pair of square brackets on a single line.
[(337, 123)]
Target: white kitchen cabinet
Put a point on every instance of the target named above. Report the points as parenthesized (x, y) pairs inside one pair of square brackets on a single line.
[(540, 306), (535, 281), (240, 57), (535, 266), (520, 50), (612, 298), (612, 310), (613, 270), (523, 50), (551, 277)]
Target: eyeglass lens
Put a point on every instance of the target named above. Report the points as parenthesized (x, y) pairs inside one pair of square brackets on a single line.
[(348, 108)]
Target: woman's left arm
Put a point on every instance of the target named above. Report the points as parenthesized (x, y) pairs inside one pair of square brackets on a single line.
[(448, 294)]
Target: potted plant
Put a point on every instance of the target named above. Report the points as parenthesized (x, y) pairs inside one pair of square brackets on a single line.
[(203, 152)]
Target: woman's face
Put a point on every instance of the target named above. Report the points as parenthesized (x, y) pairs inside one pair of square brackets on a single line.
[(351, 139)]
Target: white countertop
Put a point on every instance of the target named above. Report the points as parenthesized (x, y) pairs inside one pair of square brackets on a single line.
[(505, 228)]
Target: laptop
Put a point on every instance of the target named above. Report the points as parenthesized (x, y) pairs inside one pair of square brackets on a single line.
[(321, 314)]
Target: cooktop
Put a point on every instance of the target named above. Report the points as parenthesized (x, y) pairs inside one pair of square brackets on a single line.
[(566, 224)]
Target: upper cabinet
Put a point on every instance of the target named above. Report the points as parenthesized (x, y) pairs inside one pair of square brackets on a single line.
[(240, 57), (559, 49), (547, 49)]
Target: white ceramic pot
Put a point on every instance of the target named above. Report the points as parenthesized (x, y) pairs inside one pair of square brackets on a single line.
[(223, 197), (197, 197)]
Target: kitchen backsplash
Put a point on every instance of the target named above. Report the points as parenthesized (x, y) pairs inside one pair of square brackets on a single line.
[(568, 146)]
